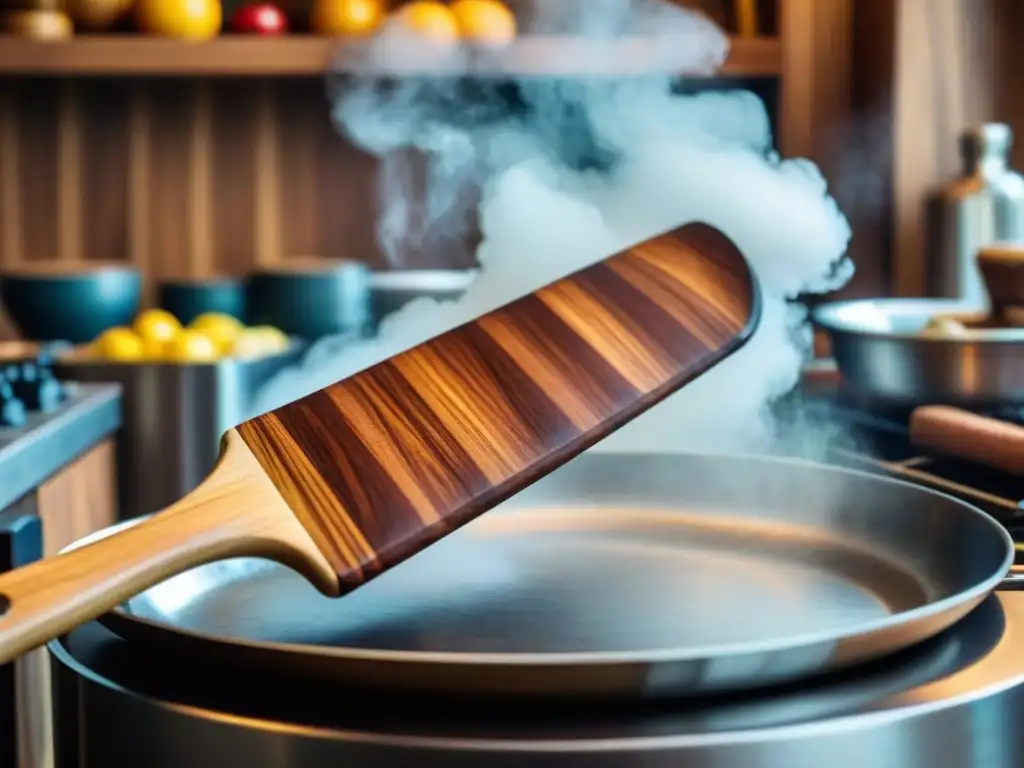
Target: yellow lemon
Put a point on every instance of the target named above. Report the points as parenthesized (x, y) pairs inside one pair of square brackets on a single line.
[(346, 17), (156, 327), (222, 329), (118, 344), (486, 22), (190, 346), (430, 20), (260, 341), (181, 19)]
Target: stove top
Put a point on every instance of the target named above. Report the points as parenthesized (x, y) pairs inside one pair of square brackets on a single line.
[(953, 701), (877, 439)]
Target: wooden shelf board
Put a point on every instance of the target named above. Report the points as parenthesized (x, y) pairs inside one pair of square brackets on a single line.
[(302, 55)]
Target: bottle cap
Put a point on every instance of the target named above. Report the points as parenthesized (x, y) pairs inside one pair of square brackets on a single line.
[(988, 141)]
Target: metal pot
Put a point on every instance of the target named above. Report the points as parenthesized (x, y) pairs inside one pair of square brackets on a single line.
[(883, 356), (393, 289), (174, 417)]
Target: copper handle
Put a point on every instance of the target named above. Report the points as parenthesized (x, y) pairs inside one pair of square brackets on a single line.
[(955, 432)]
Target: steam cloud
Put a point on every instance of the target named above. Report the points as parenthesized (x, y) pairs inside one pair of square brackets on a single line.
[(586, 168)]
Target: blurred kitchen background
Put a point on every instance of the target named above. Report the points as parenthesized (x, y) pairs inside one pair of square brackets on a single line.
[(140, 169), (180, 220)]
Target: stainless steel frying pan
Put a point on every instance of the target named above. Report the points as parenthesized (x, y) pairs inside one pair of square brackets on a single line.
[(615, 576), (883, 356)]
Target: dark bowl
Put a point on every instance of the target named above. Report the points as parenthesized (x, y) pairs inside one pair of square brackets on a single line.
[(70, 301), (188, 298), (392, 289), (311, 297)]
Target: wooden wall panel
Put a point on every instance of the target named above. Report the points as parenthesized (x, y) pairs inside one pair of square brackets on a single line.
[(103, 193), (233, 161), (167, 221), (199, 176), (35, 107), (184, 177)]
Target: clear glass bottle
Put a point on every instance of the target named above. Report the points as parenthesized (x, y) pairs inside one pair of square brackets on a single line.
[(983, 206)]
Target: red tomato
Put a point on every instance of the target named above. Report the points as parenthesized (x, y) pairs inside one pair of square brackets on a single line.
[(259, 19)]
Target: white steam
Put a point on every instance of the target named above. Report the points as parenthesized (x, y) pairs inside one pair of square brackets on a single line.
[(677, 158)]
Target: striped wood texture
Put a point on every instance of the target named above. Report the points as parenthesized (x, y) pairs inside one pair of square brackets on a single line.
[(384, 463)]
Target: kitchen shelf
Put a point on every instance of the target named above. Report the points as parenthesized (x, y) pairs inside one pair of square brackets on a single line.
[(302, 55)]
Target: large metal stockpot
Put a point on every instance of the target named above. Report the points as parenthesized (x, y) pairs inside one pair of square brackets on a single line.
[(173, 418)]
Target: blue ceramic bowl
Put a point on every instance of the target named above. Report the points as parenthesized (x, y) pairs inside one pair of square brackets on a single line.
[(311, 298), (70, 301), (188, 298)]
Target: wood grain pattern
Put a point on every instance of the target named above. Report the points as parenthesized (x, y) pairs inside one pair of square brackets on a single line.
[(386, 462), (235, 512), (309, 55), (82, 498)]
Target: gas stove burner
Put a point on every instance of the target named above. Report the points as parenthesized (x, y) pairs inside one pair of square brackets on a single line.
[(919, 708), (857, 401)]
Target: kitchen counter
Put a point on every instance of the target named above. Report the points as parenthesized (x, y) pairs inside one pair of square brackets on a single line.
[(57, 484), (48, 442)]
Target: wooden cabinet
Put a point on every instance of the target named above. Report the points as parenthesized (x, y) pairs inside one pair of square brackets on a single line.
[(76, 501), (80, 499)]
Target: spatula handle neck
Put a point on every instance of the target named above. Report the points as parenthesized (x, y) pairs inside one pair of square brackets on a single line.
[(49, 598)]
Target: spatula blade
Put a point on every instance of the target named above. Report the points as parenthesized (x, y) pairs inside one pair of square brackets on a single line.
[(384, 463)]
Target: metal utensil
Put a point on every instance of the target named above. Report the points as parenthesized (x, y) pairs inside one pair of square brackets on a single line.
[(617, 575), (883, 355), (391, 290)]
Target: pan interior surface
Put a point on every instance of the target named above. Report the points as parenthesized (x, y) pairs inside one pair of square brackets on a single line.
[(560, 580)]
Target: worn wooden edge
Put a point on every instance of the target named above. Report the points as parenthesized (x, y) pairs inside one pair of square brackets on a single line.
[(131, 55)]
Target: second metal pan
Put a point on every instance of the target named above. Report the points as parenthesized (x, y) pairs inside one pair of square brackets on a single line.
[(615, 576), (883, 356)]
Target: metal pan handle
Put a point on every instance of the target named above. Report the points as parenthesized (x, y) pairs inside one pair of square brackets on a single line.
[(1014, 581)]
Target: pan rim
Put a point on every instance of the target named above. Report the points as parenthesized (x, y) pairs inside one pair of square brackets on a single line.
[(826, 317), (967, 599)]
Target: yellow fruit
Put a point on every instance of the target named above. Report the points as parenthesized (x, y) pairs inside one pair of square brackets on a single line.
[(208, 319), (346, 17), (486, 22), (191, 347), (222, 329), (430, 20), (156, 327), (181, 19), (118, 344), (260, 341)]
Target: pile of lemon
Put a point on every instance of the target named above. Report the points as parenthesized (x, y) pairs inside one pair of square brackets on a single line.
[(157, 336), (481, 22)]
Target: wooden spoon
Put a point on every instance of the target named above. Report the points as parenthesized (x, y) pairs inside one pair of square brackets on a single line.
[(965, 435), (355, 478)]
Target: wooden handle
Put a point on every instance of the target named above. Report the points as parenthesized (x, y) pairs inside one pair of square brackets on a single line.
[(954, 432), (236, 512), (388, 461), (1002, 268)]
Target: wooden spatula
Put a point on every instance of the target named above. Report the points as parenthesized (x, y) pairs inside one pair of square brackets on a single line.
[(355, 478)]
